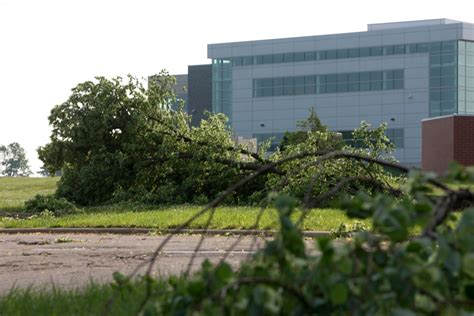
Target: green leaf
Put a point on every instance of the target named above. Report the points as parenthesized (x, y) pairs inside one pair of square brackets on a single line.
[(224, 272), (338, 294), (468, 264)]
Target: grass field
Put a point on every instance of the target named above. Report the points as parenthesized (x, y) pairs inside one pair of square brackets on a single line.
[(88, 301), (14, 191), (173, 216)]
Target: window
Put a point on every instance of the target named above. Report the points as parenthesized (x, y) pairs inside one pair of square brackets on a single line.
[(376, 51), (353, 53), (267, 59), (364, 51), (310, 56), (247, 60), (398, 49), (339, 83), (289, 57), (278, 58), (332, 54), (342, 53), (299, 57), (411, 48), (237, 61), (322, 55)]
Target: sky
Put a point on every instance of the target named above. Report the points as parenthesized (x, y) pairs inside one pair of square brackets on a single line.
[(47, 47)]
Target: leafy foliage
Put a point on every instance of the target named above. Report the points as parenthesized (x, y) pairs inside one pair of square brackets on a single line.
[(313, 176), (13, 161), (116, 140), (51, 203), (311, 124), (384, 272)]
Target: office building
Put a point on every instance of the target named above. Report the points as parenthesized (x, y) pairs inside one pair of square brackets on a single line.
[(398, 73)]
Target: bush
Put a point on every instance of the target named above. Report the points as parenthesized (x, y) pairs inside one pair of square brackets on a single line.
[(50, 203), (314, 175)]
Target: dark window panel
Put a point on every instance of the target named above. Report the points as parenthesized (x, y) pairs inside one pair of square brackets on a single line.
[(310, 89), (388, 50), (247, 60), (322, 55), (353, 52), (364, 51), (398, 49), (299, 90), (299, 57), (267, 59), (278, 91), (310, 56), (237, 61), (289, 57), (342, 53), (342, 87), (278, 82), (435, 47), (423, 48), (376, 51), (411, 48), (331, 88), (376, 85), (278, 58), (332, 54)]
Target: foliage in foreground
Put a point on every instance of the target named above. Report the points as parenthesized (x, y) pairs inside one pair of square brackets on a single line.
[(383, 272)]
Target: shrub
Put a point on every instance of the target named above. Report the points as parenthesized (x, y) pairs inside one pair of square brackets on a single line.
[(50, 203)]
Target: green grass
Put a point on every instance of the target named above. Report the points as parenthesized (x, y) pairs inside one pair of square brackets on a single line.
[(173, 216), (88, 301), (15, 191)]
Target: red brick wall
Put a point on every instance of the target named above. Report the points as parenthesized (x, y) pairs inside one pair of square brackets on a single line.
[(464, 140), (437, 144), (446, 139)]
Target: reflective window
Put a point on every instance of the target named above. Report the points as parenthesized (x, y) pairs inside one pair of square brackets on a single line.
[(278, 58), (333, 83), (376, 51), (288, 57), (309, 56), (364, 51), (331, 54), (353, 53), (342, 53), (299, 57)]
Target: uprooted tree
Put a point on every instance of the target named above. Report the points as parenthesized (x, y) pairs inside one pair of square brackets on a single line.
[(114, 140)]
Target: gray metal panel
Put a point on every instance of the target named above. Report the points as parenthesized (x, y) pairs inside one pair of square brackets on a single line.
[(199, 92)]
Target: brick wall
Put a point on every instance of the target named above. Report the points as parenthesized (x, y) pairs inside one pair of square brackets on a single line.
[(464, 140), (437, 148), (446, 139)]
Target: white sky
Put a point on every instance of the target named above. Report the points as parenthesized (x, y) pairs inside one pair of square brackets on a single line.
[(49, 46)]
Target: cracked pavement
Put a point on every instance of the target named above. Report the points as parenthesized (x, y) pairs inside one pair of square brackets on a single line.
[(73, 260)]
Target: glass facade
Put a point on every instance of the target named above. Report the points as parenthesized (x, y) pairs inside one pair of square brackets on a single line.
[(329, 83), (222, 87), (443, 78), (331, 54), (465, 77)]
